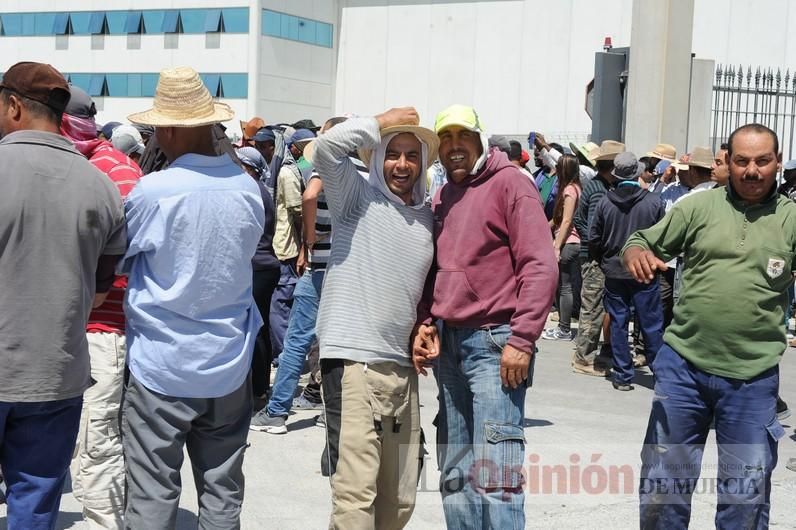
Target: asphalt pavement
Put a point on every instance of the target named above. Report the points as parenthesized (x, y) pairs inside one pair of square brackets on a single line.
[(582, 460)]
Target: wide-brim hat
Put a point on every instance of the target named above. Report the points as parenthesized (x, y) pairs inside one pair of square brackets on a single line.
[(182, 100), (427, 136), (609, 149), (701, 157), (585, 150), (663, 152), (250, 128)]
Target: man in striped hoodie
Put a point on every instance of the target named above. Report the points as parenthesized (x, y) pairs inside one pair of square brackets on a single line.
[(380, 257)]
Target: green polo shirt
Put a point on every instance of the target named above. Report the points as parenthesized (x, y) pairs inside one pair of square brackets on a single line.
[(737, 268)]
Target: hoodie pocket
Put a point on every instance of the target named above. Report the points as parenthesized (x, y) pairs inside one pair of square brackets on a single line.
[(457, 299)]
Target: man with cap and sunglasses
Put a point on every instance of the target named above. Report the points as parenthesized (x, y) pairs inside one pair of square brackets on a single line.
[(492, 287), (365, 321), (62, 227), (624, 209), (192, 320)]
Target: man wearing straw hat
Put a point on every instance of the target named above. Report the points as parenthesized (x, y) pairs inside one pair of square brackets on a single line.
[(365, 322), (192, 321)]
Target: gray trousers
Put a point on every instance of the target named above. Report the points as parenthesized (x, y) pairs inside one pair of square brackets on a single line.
[(154, 430)]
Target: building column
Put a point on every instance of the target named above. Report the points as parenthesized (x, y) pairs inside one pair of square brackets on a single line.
[(659, 74)]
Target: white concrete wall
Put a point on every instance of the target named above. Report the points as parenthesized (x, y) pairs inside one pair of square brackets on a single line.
[(296, 80), (523, 64)]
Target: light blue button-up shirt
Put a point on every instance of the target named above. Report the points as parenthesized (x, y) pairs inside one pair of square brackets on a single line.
[(191, 318)]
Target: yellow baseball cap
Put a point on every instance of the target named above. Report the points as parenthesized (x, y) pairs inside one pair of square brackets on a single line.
[(460, 115)]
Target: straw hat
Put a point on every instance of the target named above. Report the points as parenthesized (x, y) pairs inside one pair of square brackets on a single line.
[(609, 149), (182, 100), (664, 152), (427, 136), (701, 157)]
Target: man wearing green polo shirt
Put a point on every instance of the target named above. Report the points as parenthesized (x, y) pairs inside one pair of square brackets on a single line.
[(720, 360)]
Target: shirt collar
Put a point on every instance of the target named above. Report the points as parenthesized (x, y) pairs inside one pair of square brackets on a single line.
[(39, 138)]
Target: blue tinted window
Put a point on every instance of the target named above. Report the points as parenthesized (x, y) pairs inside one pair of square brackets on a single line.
[(213, 20), (171, 20), (290, 27), (117, 85), (306, 30), (323, 34), (97, 23), (96, 85), (133, 85), (272, 23), (61, 24), (80, 22), (81, 80), (211, 81), (12, 24), (149, 83), (236, 20), (153, 21), (299, 29), (117, 22), (43, 23), (193, 20), (133, 22), (235, 85), (28, 24)]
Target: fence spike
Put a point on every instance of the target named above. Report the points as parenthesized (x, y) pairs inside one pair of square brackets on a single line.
[(757, 76), (749, 77), (740, 74), (718, 73), (778, 78)]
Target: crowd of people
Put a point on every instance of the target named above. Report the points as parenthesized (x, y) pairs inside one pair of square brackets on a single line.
[(154, 273)]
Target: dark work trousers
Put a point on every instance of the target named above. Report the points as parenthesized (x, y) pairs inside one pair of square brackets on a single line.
[(265, 282), (685, 402), (667, 295), (281, 304), (620, 295), (36, 444)]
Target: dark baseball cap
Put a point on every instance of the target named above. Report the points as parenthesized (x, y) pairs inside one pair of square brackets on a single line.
[(80, 104), (264, 135), (39, 82)]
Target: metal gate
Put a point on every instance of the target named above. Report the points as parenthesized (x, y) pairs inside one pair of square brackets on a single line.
[(754, 95)]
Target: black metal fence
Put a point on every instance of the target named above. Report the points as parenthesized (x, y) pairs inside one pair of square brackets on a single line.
[(754, 95)]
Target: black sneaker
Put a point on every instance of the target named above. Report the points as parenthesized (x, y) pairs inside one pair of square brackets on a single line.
[(783, 412), (623, 387)]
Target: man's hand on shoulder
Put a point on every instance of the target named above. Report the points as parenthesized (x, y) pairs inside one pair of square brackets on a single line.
[(514, 366), (642, 264), (399, 116), (425, 347)]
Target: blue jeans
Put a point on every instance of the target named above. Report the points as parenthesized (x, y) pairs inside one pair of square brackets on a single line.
[(36, 444), (480, 440), (686, 399), (281, 304), (298, 341), (618, 297)]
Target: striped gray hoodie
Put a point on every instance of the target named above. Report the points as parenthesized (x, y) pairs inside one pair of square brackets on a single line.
[(380, 257)]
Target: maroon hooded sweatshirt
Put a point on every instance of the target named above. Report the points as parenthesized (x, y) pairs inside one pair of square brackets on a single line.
[(494, 260)]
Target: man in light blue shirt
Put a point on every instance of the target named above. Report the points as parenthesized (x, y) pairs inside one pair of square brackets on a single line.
[(191, 318)]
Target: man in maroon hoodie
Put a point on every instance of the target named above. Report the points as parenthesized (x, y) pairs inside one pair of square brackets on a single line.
[(495, 278)]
